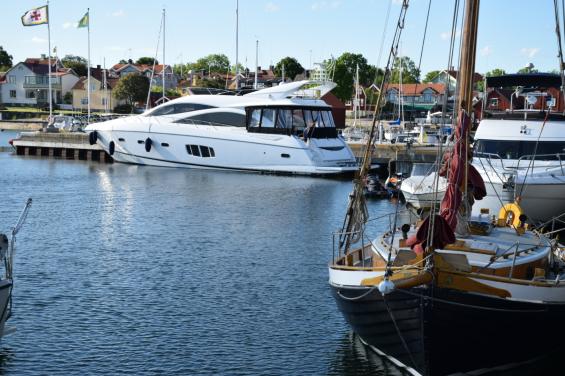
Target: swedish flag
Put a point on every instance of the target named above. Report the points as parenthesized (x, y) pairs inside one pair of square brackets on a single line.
[(84, 21)]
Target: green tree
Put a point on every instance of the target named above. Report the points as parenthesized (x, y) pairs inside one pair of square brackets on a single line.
[(132, 88), (76, 63), (217, 63), (292, 67), (410, 73), (145, 60), (495, 72), (431, 75), (345, 71), (5, 60), (528, 69)]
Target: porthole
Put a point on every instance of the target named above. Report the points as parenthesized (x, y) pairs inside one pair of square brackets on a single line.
[(164, 144), (284, 155), (122, 139)]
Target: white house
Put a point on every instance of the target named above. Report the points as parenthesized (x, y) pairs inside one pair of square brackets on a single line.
[(26, 83)]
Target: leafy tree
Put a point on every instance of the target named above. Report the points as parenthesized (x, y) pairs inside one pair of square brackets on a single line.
[(528, 69), (292, 67), (68, 98), (123, 61), (345, 71), (495, 72), (76, 63), (5, 60), (410, 73), (431, 75), (132, 88), (218, 63), (146, 61)]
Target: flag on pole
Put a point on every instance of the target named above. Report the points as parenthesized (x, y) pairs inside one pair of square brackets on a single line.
[(83, 21), (35, 16)]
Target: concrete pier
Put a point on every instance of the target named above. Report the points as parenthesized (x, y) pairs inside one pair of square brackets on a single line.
[(383, 153), (63, 145)]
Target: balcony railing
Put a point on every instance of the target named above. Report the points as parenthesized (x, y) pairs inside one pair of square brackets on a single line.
[(35, 82)]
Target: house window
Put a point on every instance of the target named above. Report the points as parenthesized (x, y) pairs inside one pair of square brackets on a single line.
[(92, 86), (11, 79), (12, 93), (30, 94), (493, 102), (84, 101), (104, 101)]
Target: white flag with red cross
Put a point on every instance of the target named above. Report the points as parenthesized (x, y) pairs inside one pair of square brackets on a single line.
[(35, 16)]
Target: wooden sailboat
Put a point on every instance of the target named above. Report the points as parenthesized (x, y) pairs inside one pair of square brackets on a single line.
[(452, 295)]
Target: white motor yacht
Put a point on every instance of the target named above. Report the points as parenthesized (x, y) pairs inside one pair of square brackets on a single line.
[(284, 129), (522, 159), (420, 188)]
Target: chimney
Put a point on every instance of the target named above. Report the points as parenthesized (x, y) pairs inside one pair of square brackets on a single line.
[(98, 67), (43, 56), (130, 61)]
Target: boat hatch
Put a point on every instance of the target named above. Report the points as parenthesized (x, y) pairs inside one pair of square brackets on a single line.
[(316, 122)]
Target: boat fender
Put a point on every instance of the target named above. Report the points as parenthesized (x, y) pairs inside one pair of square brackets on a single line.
[(148, 143), (111, 147), (510, 214), (386, 286), (92, 137)]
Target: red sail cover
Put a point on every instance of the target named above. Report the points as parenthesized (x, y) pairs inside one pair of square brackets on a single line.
[(454, 164)]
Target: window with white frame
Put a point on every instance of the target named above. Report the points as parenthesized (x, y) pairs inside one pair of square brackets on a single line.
[(11, 79), (84, 101), (12, 93)]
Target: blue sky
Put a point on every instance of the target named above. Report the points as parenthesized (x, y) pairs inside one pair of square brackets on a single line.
[(513, 33)]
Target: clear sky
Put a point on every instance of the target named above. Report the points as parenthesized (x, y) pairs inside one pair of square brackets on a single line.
[(513, 33)]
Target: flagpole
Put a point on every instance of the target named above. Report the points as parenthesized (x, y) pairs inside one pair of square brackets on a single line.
[(88, 68), (49, 63)]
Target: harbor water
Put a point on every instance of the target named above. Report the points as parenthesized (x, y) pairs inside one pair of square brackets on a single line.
[(124, 269)]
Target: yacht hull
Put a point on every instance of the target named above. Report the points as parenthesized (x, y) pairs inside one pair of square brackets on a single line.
[(447, 331), (540, 202), (5, 293), (422, 200), (237, 152)]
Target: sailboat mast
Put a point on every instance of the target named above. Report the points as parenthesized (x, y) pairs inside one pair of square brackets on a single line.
[(468, 53), (163, 72), (467, 72), (237, 45)]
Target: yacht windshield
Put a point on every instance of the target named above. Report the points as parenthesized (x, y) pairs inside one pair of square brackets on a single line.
[(422, 169), (292, 121), (511, 149)]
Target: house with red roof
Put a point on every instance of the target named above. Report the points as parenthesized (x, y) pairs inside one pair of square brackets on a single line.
[(154, 74), (27, 82), (101, 92), (417, 96)]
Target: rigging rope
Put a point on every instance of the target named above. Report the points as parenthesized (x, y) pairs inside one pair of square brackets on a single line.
[(356, 214), (439, 155), (421, 52), (560, 50), (154, 61), (522, 187)]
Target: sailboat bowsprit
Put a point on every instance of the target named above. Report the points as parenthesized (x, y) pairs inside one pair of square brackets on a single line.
[(450, 293)]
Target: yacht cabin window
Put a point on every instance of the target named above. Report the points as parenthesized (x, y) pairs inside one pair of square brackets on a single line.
[(177, 108), (510, 149), (216, 118), (292, 121)]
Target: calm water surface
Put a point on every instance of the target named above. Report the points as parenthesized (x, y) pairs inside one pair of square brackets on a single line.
[(137, 270)]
